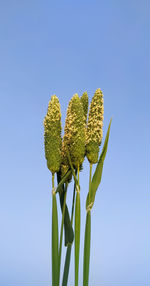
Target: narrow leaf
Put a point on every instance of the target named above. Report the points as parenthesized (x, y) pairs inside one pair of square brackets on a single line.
[(98, 172), (64, 179), (69, 234), (61, 231), (67, 265)]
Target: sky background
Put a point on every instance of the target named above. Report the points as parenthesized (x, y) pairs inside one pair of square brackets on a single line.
[(62, 48)]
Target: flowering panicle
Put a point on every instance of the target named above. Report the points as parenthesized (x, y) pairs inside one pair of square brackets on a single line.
[(94, 132), (52, 135), (74, 137)]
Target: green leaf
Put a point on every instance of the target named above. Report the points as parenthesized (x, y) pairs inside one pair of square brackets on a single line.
[(98, 172), (69, 234), (64, 179), (67, 265), (61, 231)]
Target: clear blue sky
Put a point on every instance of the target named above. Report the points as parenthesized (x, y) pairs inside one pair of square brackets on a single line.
[(64, 47)]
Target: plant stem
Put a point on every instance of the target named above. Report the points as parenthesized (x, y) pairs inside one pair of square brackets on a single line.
[(87, 240), (69, 247), (55, 277), (77, 232), (61, 232)]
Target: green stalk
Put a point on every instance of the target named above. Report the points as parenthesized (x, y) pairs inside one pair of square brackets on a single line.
[(77, 232), (55, 273), (61, 232), (69, 247), (87, 240)]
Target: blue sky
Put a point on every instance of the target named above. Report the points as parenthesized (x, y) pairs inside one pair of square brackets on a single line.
[(64, 47)]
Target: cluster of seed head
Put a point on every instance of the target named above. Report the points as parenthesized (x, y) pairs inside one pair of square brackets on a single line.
[(94, 131), (74, 136), (80, 137), (52, 135)]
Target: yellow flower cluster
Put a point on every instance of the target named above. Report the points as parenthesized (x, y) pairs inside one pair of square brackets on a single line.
[(80, 138), (52, 135), (74, 137), (94, 132)]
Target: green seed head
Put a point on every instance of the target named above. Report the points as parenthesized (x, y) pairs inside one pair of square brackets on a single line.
[(94, 132), (84, 100), (52, 135), (74, 137)]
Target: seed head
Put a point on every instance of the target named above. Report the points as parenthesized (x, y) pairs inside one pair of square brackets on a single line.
[(52, 135), (84, 100), (74, 137), (94, 132)]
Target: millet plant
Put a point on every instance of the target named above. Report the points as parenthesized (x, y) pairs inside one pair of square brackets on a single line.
[(65, 158)]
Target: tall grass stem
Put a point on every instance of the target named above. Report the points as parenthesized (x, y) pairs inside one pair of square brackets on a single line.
[(87, 240), (77, 232), (69, 247), (55, 277)]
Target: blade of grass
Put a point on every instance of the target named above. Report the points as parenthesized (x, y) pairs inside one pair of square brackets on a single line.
[(62, 181), (67, 265), (98, 172), (61, 232), (69, 234)]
